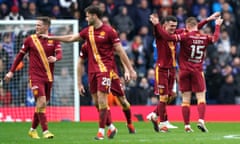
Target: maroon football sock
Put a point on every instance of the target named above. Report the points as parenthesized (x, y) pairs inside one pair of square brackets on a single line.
[(156, 109), (201, 110), (103, 113), (186, 114), (165, 116), (109, 118), (162, 111), (35, 121), (43, 121), (128, 115)]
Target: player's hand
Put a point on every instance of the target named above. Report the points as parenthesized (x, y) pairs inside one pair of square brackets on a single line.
[(133, 75), (8, 76), (81, 89), (214, 16), (52, 59), (219, 21), (127, 77), (154, 19)]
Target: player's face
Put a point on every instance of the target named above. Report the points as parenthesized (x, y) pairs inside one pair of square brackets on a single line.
[(90, 18), (170, 26), (41, 28)]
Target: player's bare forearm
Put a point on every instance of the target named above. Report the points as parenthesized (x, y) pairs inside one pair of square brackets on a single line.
[(80, 69), (123, 56), (80, 74), (63, 38), (125, 60), (126, 72)]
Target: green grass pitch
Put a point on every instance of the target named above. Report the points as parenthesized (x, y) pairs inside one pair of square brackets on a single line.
[(84, 132)]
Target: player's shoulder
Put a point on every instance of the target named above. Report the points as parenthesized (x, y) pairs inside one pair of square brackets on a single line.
[(84, 30), (28, 39), (108, 28)]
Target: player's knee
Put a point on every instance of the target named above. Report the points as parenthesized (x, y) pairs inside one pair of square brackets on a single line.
[(125, 105), (171, 99), (164, 98), (102, 103), (201, 98), (186, 101), (40, 109), (102, 106)]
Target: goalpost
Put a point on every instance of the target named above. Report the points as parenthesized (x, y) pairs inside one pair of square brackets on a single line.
[(16, 98)]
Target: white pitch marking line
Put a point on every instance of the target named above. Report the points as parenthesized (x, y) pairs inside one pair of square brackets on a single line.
[(232, 136)]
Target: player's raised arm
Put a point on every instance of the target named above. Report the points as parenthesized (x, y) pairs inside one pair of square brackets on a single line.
[(63, 38), (214, 16), (160, 30), (218, 22)]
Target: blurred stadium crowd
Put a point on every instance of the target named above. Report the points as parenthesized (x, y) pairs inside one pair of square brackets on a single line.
[(131, 20)]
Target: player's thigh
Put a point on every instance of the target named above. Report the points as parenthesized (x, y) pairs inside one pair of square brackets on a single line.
[(38, 88), (185, 81), (162, 82), (48, 89), (92, 83), (198, 82), (171, 80), (103, 81), (116, 87)]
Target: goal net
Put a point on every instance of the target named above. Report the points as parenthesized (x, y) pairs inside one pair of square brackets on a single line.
[(16, 98)]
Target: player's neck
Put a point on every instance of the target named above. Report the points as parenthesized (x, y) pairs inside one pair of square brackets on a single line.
[(98, 24), (193, 29)]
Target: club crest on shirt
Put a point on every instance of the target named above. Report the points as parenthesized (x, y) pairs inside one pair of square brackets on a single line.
[(50, 41), (102, 33)]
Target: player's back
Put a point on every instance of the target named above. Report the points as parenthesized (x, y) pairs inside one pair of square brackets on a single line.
[(193, 50)]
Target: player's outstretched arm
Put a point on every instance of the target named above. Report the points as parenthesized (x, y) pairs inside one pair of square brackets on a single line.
[(63, 38)]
